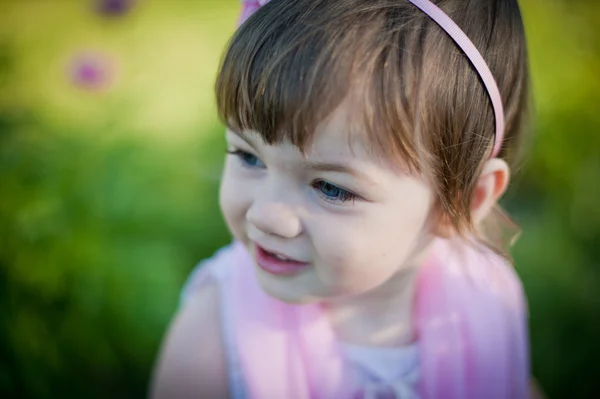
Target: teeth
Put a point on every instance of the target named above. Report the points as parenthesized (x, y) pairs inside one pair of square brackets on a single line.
[(280, 257)]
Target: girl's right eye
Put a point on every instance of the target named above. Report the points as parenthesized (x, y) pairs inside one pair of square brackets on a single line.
[(248, 160)]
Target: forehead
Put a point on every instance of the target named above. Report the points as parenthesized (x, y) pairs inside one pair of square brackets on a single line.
[(338, 134), (341, 134), (339, 137)]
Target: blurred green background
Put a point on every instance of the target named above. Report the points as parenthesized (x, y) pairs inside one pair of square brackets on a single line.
[(110, 156)]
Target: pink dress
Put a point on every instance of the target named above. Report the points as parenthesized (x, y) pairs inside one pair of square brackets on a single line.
[(471, 329)]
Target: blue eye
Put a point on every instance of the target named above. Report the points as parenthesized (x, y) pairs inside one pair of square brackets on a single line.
[(333, 193), (248, 159)]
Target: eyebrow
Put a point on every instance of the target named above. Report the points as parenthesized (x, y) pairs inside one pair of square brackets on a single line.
[(242, 136), (339, 168), (320, 166)]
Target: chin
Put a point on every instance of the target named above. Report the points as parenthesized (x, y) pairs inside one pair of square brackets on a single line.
[(282, 293)]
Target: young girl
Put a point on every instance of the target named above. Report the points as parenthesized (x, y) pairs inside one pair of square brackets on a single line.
[(368, 142)]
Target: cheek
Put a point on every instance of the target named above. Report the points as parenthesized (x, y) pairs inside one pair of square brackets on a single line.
[(363, 253), (352, 258), (233, 201)]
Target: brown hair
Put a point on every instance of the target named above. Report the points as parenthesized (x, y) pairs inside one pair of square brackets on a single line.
[(420, 100)]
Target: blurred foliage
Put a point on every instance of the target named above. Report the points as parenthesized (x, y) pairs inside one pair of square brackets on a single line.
[(557, 194), (110, 156)]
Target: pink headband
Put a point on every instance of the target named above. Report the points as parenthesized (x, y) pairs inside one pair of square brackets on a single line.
[(461, 39)]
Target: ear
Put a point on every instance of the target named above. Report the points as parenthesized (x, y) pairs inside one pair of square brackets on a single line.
[(490, 186), (492, 183)]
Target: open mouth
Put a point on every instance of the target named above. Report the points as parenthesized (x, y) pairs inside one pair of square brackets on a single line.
[(275, 263)]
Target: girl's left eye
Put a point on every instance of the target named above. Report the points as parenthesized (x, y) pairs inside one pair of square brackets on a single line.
[(333, 193), (248, 159)]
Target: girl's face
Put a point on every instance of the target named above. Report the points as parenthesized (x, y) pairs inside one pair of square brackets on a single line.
[(349, 220)]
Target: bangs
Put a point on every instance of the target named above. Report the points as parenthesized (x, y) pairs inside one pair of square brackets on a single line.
[(292, 64), (402, 83)]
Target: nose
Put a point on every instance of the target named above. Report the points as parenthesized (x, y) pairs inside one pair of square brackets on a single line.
[(273, 215)]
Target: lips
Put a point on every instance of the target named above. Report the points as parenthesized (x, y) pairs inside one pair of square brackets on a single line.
[(277, 263)]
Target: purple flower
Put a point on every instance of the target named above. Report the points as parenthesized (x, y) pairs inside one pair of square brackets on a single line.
[(91, 71), (113, 7)]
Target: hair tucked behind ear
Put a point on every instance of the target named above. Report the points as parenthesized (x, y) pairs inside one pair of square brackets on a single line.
[(417, 96)]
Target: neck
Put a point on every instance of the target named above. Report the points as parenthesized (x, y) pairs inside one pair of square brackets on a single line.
[(380, 317)]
